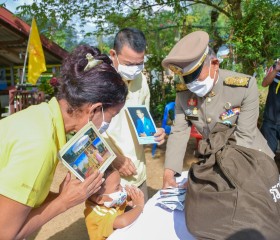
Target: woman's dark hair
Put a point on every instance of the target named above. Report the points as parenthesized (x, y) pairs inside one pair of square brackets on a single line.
[(101, 83)]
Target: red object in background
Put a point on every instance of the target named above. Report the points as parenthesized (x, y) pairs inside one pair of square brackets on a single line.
[(54, 81), (196, 134)]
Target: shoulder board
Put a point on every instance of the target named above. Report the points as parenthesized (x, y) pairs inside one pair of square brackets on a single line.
[(237, 81), (181, 87)]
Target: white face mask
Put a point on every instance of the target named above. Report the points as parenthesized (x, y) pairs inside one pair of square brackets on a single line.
[(104, 125), (118, 198), (201, 88), (129, 72)]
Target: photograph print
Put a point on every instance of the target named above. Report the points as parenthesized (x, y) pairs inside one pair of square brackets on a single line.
[(143, 124), (87, 152)]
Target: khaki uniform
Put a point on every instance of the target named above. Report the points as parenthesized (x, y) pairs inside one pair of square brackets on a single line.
[(241, 104)]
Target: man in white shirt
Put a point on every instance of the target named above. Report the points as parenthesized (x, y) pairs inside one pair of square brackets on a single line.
[(128, 59)]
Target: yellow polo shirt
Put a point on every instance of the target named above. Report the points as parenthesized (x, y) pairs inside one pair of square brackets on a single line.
[(100, 219), (29, 142)]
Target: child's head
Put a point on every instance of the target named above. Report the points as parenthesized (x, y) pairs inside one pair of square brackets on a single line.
[(111, 192)]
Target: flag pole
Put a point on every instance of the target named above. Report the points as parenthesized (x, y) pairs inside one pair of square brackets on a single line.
[(25, 58)]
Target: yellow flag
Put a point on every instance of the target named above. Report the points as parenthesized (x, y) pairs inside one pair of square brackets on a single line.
[(36, 58)]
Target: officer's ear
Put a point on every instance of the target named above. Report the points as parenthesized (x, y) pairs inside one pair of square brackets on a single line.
[(215, 63)]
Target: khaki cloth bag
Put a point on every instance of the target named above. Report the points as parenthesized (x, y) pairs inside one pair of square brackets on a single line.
[(234, 192)]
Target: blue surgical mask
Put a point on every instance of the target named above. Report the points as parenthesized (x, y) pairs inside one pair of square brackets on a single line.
[(118, 198)]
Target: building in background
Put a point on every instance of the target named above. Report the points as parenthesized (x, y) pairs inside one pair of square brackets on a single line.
[(14, 34)]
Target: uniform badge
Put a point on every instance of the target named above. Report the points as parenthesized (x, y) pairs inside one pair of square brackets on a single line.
[(230, 113), (188, 111), (212, 94), (227, 122), (237, 81), (194, 112), (227, 105), (191, 117), (192, 102)]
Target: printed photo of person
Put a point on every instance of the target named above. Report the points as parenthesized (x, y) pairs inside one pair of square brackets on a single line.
[(144, 125)]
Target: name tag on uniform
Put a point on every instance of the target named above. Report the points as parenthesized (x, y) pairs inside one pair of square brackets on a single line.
[(191, 117)]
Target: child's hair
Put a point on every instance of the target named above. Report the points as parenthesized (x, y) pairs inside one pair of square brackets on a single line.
[(110, 169)]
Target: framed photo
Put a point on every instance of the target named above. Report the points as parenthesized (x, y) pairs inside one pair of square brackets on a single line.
[(85, 152), (143, 124)]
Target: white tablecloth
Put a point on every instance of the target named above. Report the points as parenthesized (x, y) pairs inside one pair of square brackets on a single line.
[(155, 223)]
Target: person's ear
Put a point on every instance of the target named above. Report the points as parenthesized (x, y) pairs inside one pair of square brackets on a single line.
[(113, 56), (215, 63), (112, 53), (92, 108)]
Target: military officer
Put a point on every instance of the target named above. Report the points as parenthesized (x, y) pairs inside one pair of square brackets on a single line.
[(210, 95)]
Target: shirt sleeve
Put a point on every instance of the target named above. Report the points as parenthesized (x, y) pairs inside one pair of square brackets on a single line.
[(177, 140), (247, 121), (28, 174)]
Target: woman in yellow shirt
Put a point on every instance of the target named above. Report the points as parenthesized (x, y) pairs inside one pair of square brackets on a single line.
[(31, 138)]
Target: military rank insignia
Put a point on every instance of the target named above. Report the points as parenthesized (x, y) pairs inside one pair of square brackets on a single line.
[(237, 81), (230, 113), (181, 87), (191, 111)]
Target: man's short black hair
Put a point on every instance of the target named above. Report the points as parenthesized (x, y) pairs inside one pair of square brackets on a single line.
[(131, 37)]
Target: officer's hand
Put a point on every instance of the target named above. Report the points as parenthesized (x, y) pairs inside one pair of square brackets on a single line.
[(125, 166), (169, 179), (160, 136)]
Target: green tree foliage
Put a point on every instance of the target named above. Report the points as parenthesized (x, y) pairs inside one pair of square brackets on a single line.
[(54, 28), (256, 34), (249, 28)]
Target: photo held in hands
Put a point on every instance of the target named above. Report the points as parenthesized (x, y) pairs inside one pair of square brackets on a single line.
[(85, 152), (143, 124)]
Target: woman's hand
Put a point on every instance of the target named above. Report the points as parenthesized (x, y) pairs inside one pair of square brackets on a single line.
[(73, 191)]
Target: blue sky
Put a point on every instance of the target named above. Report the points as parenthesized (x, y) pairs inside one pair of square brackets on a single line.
[(13, 4)]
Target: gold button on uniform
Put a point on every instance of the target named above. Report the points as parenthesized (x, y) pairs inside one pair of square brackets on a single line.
[(227, 105), (209, 100), (208, 120)]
